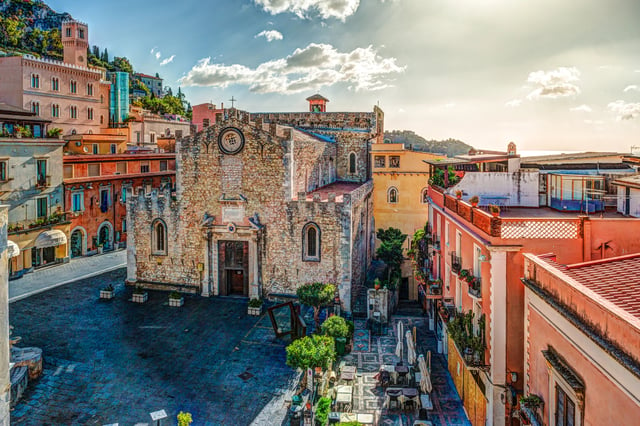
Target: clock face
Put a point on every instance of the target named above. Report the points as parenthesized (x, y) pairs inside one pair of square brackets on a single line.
[(231, 140)]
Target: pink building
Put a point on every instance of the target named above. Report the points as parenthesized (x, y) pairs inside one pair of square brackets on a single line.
[(68, 93), (582, 340), (205, 115)]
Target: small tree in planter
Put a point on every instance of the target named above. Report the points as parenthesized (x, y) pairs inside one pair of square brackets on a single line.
[(139, 295), (311, 352), (337, 328), (317, 295), (458, 194), (495, 210), (107, 292), (54, 133), (184, 419), (176, 299), (474, 200), (255, 307), (322, 411)]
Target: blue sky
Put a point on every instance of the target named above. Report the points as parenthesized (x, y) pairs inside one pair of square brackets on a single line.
[(545, 74)]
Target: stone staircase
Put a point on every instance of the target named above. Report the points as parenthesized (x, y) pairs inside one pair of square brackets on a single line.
[(409, 308)]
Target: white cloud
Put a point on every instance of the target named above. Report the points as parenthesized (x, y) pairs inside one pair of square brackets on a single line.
[(581, 108), (338, 9), (554, 84), (631, 87), (153, 49), (514, 103), (308, 68), (158, 55), (450, 105), (270, 35), (168, 60), (624, 110)]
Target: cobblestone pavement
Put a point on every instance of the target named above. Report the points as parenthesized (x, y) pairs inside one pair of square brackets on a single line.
[(116, 361), (53, 276), (368, 398)]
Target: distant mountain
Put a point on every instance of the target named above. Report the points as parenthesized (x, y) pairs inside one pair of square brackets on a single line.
[(448, 147), (31, 27)]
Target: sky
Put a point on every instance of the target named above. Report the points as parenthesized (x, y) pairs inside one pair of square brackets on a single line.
[(548, 75)]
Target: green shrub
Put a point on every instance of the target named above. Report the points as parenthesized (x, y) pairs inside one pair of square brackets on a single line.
[(184, 419), (322, 411), (335, 326), (255, 303)]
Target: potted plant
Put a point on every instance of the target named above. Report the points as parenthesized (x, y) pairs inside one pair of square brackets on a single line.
[(474, 201), (458, 194), (255, 307), (531, 401), (322, 411), (55, 133), (495, 210), (139, 295), (337, 328), (377, 284), (176, 299), (184, 419), (107, 292)]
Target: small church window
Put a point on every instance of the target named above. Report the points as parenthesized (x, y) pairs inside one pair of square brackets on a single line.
[(424, 199), (311, 243), (392, 195), (352, 163), (159, 238)]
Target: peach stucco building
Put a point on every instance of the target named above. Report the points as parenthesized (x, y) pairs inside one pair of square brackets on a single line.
[(72, 95), (582, 340), (470, 241), (400, 178)]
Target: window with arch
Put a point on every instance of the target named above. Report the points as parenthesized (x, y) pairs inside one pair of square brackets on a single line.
[(35, 108), (35, 81), (424, 196), (311, 243), (392, 195), (73, 86), (159, 238), (55, 110), (55, 84), (353, 162), (73, 112), (90, 89)]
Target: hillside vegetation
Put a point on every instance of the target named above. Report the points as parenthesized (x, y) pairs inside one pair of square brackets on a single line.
[(448, 147)]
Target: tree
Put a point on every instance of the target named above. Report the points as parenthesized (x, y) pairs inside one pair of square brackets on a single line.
[(390, 252), (95, 50), (317, 295), (105, 55), (335, 326), (311, 352), (122, 64)]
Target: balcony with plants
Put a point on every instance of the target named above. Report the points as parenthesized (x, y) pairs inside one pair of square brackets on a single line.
[(41, 222), (456, 262), (475, 283), (469, 340)]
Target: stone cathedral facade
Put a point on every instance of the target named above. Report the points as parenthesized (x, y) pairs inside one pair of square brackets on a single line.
[(264, 202)]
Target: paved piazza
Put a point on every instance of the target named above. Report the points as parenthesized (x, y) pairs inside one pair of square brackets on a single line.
[(116, 361)]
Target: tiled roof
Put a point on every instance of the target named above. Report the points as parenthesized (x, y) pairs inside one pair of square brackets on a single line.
[(616, 279), (317, 97)]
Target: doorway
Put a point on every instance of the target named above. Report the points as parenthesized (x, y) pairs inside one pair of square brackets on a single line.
[(404, 289), (76, 243), (104, 236), (233, 261)]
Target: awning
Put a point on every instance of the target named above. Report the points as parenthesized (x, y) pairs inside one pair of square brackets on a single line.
[(12, 249), (51, 238)]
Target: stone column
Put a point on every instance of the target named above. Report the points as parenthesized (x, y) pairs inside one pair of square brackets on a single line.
[(254, 276), (5, 381)]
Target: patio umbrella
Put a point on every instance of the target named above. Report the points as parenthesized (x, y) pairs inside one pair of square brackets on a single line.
[(411, 348), (399, 345), (425, 380)]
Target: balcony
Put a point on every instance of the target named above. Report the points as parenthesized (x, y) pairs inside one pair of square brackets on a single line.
[(475, 287), (436, 243), (43, 182), (456, 262)]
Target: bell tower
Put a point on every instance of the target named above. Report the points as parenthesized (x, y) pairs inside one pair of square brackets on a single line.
[(75, 41)]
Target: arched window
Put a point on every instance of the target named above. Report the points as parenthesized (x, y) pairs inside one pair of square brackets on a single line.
[(311, 243), (392, 195), (353, 162), (158, 238), (424, 196)]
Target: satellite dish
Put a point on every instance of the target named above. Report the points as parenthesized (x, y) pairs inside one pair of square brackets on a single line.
[(85, 149)]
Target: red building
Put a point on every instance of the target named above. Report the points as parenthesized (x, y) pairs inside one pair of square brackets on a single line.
[(95, 193), (582, 341), (205, 115)]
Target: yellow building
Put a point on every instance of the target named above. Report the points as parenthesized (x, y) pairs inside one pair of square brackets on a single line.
[(400, 196)]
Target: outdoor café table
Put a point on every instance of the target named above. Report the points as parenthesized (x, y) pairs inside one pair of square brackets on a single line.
[(402, 371), (394, 394), (425, 401), (410, 394), (344, 395), (365, 418), (391, 369), (348, 373)]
